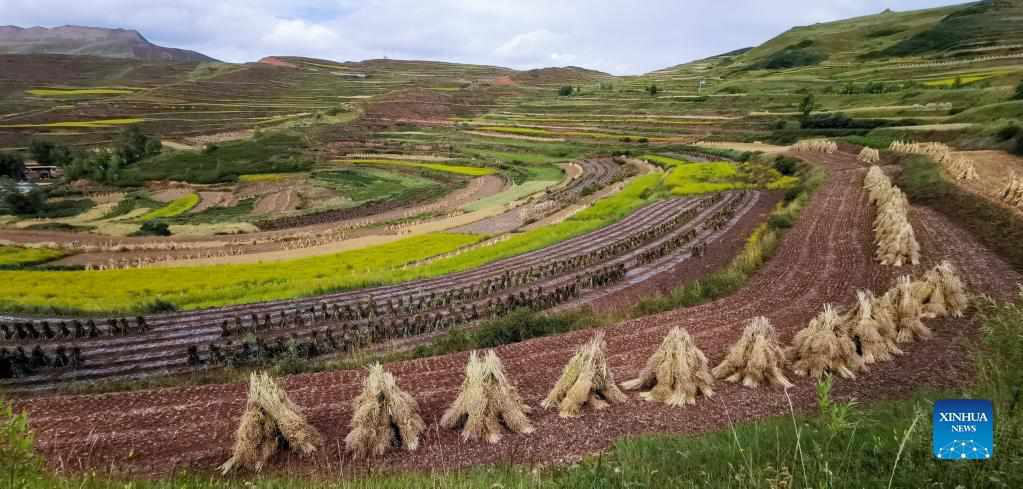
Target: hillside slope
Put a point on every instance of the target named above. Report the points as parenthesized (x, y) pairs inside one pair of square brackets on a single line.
[(94, 41)]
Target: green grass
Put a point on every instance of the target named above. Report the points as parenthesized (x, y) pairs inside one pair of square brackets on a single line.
[(277, 152), (175, 208), (472, 171), (511, 194), (17, 256), (515, 156), (663, 161), (76, 92), (264, 177), (219, 285), (365, 184)]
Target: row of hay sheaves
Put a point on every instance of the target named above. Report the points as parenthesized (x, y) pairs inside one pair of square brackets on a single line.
[(837, 341)]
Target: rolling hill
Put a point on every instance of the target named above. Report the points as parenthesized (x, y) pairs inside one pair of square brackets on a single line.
[(94, 41)]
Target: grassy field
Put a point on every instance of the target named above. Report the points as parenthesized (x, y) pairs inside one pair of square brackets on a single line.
[(278, 152), (264, 177), (16, 256), (175, 208), (364, 184), (471, 171)]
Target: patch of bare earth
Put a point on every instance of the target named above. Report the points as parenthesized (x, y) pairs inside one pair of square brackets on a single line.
[(823, 258)]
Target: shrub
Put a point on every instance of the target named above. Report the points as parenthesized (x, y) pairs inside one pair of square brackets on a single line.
[(1019, 91), (18, 462), (1008, 132), (565, 90), (12, 166), (153, 228), (26, 203)]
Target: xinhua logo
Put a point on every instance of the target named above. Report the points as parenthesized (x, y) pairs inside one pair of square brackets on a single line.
[(963, 430)]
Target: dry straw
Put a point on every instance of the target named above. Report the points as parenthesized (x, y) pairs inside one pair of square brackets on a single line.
[(824, 346), (1012, 194), (908, 312), (816, 146), (894, 235), (586, 380), (487, 402), (941, 292), (958, 166), (676, 373), (869, 155), (872, 326), (270, 421), (385, 417), (756, 358)]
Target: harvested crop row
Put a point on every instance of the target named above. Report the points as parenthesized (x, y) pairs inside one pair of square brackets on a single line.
[(896, 241)]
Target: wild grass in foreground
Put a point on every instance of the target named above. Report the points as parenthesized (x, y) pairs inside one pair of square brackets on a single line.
[(842, 445)]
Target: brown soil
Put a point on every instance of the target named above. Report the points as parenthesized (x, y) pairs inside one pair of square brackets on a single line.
[(994, 168), (823, 258), (277, 202)]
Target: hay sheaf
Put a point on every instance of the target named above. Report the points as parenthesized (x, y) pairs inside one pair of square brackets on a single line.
[(384, 416), (941, 292), (755, 358), (676, 373), (824, 346), (585, 381), (270, 421), (487, 402), (908, 312), (872, 326), (894, 235)]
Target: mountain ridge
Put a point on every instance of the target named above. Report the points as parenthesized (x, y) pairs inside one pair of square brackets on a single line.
[(91, 41)]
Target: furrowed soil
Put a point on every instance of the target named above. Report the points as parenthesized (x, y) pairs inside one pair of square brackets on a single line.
[(823, 258)]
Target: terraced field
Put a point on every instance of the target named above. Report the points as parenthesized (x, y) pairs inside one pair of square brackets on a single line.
[(807, 271)]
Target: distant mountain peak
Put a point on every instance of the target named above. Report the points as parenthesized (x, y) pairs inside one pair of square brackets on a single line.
[(91, 41)]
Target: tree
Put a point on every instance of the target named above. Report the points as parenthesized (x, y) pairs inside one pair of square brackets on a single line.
[(49, 153), (653, 90), (807, 105), (565, 90), (12, 165), (26, 203), (958, 83), (1019, 91), (153, 228)]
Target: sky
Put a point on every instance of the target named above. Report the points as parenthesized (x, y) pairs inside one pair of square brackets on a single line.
[(617, 36)]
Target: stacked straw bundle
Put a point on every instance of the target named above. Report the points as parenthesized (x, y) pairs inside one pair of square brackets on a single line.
[(487, 401), (941, 292), (270, 420), (908, 312), (824, 346), (959, 167), (872, 326), (756, 358), (586, 380), (1013, 192), (816, 146), (869, 155), (676, 373), (894, 236), (384, 416)]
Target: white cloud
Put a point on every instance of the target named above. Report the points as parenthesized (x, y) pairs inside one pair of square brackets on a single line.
[(619, 36)]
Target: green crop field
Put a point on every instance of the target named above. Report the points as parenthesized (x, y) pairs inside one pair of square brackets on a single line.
[(175, 208), (471, 171), (15, 256)]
